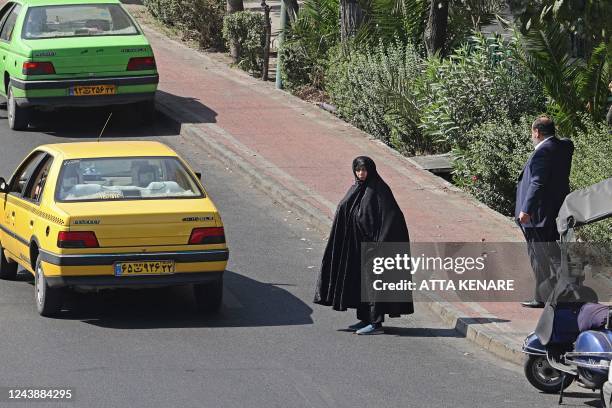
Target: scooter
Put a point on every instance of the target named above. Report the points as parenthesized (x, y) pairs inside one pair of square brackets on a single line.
[(587, 362), (552, 369)]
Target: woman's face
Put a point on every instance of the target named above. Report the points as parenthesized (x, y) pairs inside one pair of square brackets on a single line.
[(361, 173)]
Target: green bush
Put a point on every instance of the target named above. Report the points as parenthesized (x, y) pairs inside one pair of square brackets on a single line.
[(247, 29), (153, 6), (480, 82), (592, 164), (304, 53), (169, 12), (493, 157), (296, 65), (166, 11), (200, 20), (372, 89), (351, 82), (299, 68), (430, 106)]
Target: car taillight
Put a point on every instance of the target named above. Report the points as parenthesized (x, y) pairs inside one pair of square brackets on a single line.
[(141, 63), (86, 239), (211, 235), (37, 68)]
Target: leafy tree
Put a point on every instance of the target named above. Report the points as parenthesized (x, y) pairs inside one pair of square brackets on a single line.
[(567, 45), (588, 21), (425, 22)]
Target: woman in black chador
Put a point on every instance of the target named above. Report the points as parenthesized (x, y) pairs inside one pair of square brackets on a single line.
[(368, 213)]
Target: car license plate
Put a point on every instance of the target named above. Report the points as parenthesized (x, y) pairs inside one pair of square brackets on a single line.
[(144, 268), (93, 90)]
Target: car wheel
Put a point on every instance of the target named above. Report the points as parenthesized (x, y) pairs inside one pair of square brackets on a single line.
[(18, 117), (209, 296), (543, 376), (8, 270), (48, 300), (146, 111)]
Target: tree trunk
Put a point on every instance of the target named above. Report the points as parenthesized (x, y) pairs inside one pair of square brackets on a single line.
[(232, 7), (266, 51), (437, 24), (292, 9), (351, 17)]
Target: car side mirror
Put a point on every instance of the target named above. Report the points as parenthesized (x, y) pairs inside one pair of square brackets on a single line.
[(3, 186), (198, 175)]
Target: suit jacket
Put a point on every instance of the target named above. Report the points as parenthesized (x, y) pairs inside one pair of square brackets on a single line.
[(544, 182)]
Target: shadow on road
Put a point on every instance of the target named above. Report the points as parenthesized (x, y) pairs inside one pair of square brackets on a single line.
[(593, 395), (86, 123), (191, 109), (83, 123), (455, 332), (421, 332), (247, 303), (469, 321)]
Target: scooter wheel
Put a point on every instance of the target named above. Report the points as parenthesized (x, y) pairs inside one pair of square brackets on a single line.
[(590, 380), (542, 376)]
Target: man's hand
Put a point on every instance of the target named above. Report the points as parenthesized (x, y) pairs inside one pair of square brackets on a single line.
[(524, 218)]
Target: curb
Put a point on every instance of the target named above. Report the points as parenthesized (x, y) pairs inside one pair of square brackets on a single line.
[(490, 340), (487, 339)]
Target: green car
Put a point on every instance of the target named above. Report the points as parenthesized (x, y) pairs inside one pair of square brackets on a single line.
[(69, 53)]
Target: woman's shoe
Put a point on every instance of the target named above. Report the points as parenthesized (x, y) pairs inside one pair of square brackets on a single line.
[(371, 329), (358, 325)]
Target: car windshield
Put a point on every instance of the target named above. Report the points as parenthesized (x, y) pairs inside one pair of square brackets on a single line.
[(77, 20), (129, 178)]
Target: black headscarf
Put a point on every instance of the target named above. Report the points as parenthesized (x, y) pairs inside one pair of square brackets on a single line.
[(367, 213)]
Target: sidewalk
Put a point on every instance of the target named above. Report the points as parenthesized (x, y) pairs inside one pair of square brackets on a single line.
[(303, 156)]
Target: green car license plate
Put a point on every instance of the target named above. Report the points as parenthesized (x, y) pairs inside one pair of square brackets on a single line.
[(93, 90)]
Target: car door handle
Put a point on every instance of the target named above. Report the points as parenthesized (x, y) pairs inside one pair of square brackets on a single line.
[(31, 223)]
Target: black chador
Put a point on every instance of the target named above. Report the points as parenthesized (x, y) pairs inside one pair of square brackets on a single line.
[(367, 213)]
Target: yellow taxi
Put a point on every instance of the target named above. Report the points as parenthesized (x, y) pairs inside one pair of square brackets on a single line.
[(97, 215)]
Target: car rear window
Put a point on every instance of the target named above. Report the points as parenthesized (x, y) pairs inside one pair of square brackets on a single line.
[(130, 178), (77, 20)]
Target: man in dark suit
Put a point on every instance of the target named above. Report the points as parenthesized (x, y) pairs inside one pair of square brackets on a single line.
[(542, 187)]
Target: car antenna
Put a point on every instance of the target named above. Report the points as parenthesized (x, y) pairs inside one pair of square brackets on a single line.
[(104, 127)]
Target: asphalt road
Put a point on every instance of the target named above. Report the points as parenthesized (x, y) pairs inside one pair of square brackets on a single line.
[(269, 347)]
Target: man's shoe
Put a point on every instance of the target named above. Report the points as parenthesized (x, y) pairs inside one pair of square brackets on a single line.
[(357, 326), (371, 329), (533, 304)]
